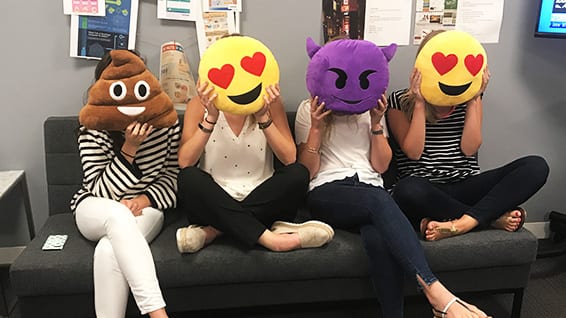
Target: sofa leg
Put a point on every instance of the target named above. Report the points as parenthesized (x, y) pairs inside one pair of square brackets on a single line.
[(517, 303)]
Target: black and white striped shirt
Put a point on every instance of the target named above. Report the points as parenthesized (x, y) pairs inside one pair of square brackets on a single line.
[(442, 159), (109, 175)]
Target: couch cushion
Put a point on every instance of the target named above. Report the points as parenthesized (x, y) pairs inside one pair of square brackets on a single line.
[(481, 249), (38, 272)]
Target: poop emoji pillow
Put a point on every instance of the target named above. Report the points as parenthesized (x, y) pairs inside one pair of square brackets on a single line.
[(451, 64), (125, 92), (349, 76), (240, 68)]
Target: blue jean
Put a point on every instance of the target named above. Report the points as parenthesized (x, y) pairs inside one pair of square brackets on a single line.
[(485, 196), (391, 244)]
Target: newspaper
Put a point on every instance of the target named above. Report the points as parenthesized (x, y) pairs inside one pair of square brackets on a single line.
[(175, 75)]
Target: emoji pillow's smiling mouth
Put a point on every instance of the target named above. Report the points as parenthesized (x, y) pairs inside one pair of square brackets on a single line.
[(248, 97), (351, 102), (131, 110), (453, 90)]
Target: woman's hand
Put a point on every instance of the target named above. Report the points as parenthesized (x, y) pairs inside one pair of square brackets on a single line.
[(207, 96), (134, 135), (378, 111), (137, 204), (318, 113), (273, 95), (415, 86), (484, 80)]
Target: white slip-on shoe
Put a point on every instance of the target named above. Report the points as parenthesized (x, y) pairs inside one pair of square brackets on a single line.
[(190, 239), (311, 233)]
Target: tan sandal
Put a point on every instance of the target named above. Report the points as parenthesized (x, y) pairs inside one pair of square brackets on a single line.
[(523, 214), (446, 232)]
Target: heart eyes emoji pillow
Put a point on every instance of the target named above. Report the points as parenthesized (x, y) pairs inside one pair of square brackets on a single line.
[(451, 64), (240, 68), (125, 92)]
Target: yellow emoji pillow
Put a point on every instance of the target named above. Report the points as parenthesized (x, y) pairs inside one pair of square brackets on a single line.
[(451, 64), (240, 68)]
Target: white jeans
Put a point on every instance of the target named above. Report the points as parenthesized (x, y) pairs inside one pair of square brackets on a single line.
[(122, 258)]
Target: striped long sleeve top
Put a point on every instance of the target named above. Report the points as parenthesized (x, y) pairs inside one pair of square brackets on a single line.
[(109, 175), (442, 159)]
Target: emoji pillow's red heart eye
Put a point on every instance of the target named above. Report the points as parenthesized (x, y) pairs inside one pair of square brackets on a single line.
[(255, 64), (443, 64), (474, 63), (223, 76)]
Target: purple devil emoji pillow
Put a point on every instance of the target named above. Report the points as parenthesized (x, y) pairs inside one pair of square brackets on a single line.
[(349, 76)]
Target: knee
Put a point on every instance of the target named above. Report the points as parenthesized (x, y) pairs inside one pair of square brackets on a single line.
[(538, 168), (409, 189), (120, 219), (187, 174), (104, 249), (301, 172), (298, 175)]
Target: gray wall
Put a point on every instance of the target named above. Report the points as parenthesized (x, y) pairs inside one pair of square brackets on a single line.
[(524, 108)]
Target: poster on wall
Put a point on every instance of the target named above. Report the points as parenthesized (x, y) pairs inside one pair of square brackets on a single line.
[(213, 26), (219, 18), (388, 22), (222, 5), (185, 10), (480, 18), (91, 37), (84, 7), (380, 21), (175, 75), (384, 22)]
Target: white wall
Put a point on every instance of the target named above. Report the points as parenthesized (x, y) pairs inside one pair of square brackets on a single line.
[(525, 106)]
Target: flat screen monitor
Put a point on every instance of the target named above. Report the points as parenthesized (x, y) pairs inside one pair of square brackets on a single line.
[(551, 19)]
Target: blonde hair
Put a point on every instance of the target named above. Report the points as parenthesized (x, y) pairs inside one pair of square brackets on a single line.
[(407, 100)]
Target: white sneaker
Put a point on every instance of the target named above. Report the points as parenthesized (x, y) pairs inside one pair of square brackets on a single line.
[(190, 239)]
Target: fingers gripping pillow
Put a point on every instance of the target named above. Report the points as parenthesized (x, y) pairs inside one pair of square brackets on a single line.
[(240, 68), (349, 76), (451, 65), (125, 92)]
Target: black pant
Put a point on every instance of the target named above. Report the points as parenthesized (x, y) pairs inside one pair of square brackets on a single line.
[(277, 198), (485, 196)]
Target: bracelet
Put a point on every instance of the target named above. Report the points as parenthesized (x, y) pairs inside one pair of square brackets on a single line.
[(265, 124), (204, 129), (314, 150), (208, 121), (126, 154), (377, 132)]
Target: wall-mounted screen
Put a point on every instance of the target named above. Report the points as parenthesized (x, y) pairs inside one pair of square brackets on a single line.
[(551, 20)]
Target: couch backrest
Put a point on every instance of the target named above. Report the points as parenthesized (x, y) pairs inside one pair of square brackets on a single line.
[(62, 161)]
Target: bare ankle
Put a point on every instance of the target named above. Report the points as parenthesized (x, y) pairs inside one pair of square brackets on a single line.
[(465, 223), (159, 313), (211, 234)]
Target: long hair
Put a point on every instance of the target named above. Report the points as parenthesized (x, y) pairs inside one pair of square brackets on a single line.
[(407, 100)]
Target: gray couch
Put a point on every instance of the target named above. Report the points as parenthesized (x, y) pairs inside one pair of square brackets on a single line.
[(226, 276)]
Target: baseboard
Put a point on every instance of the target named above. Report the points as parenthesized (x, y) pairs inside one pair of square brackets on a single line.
[(540, 229)]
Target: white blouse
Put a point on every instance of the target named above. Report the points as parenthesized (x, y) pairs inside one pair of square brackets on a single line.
[(237, 163), (345, 152)]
